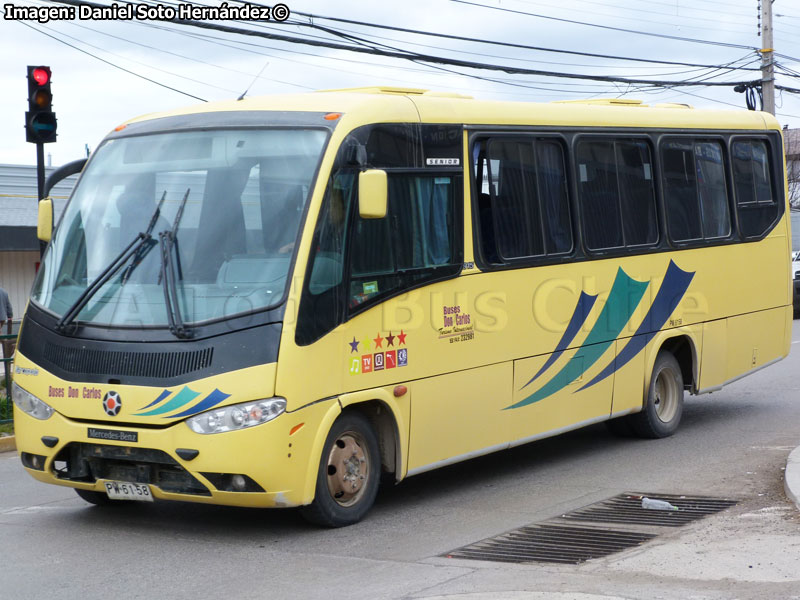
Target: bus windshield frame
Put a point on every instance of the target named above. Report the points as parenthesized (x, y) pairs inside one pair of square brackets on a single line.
[(240, 195)]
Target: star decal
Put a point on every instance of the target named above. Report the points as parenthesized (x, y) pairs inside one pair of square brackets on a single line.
[(353, 345), (378, 341), (401, 337), (366, 342), (390, 339)]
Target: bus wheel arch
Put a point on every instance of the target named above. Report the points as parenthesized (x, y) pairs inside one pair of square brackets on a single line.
[(683, 348), (672, 373), (385, 426)]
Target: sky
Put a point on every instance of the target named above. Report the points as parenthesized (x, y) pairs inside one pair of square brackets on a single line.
[(92, 94)]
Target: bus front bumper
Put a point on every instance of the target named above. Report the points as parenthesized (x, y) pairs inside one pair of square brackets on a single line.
[(261, 466)]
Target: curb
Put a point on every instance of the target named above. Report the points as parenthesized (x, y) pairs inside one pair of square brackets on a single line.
[(8, 444), (791, 478)]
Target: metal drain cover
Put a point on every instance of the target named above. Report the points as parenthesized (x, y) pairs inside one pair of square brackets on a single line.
[(561, 540), (627, 508), (551, 543)]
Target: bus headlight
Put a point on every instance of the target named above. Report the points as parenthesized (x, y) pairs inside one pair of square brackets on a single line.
[(237, 416), (30, 404)]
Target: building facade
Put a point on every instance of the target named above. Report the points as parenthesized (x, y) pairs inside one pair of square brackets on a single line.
[(19, 246)]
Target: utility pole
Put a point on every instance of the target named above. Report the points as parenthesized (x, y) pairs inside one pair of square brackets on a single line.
[(767, 66)]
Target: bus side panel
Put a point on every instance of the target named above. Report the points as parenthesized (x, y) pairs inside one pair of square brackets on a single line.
[(460, 413), (566, 402), (628, 382), (752, 341), (713, 363)]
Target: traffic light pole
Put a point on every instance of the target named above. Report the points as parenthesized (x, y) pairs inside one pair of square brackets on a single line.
[(40, 185), (40, 170)]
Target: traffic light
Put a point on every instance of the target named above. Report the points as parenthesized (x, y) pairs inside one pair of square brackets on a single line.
[(40, 120)]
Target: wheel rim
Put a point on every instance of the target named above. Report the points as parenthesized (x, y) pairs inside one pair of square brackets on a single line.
[(348, 468), (666, 395)]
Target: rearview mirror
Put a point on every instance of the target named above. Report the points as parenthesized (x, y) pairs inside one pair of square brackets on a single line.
[(372, 194), (44, 227)]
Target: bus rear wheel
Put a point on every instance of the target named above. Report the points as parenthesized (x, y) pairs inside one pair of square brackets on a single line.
[(663, 407), (348, 476)]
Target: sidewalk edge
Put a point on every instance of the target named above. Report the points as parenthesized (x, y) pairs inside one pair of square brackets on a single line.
[(8, 443), (791, 479)]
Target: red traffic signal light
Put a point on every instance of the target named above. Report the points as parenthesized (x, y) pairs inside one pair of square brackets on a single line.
[(41, 75), (40, 120)]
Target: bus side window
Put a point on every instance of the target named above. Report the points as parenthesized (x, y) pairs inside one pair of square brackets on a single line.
[(417, 241), (599, 195), (680, 191), (712, 189), (617, 194), (322, 304), (522, 206), (695, 193), (756, 203), (329, 251)]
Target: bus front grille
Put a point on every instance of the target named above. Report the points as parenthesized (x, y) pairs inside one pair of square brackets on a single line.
[(89, 462), (140, 364)]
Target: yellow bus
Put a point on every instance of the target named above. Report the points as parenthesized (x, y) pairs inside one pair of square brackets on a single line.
[(280, 301)]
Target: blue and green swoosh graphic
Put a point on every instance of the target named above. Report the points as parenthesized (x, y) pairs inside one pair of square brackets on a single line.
[(179, 401), (625, 295)]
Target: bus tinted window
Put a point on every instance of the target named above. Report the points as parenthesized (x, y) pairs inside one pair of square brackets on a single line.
[(525, 212), (615, 183), (695, 194), (755, 198), (416, 241), (637, 194)]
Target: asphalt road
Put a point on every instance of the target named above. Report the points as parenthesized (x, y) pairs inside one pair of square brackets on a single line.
[(733, 443)]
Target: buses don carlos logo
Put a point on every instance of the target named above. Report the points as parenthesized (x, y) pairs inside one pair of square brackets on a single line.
[(112, 403)]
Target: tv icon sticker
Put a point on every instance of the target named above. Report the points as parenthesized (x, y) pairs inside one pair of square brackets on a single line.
[(366, 363)]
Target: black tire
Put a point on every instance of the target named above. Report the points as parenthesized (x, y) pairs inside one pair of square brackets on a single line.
[(663, 407), (96, 498), (343, 496)]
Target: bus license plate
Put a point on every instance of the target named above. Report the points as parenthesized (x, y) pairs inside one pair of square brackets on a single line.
[(123, 490)]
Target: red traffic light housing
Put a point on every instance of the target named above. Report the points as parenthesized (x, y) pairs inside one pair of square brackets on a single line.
[(40, 120)]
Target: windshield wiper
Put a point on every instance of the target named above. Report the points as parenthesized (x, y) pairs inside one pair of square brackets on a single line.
[(148, 243), (168, 241), (130, 250)]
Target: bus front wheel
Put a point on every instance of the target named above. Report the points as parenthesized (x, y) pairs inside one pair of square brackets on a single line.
[(96, 498), (349, 473), (663, 406)]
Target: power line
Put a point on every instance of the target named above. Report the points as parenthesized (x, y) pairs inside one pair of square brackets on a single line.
[(183, 56), (413, 56), (640, 20), (426, 58), (109, 62), (212, 39), (492, 42), (647, 33), (136, 61)]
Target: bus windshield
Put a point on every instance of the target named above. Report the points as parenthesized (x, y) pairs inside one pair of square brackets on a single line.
[(231, 202)]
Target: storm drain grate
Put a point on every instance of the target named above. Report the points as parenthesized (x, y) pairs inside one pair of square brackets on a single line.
[(627, 508), (551, 543), (561, 540)]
